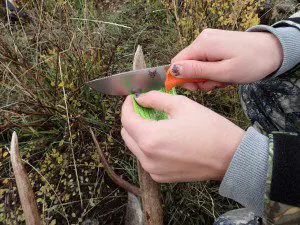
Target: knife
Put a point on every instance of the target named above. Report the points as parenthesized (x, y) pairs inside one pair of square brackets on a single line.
[(138, 81)]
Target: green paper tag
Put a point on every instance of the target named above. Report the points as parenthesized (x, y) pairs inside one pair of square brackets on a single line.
[(148, 113)]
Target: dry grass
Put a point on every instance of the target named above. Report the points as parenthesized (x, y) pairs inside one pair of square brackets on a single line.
[(45, 59)]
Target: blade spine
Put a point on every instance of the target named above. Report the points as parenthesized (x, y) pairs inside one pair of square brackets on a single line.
[(125, 73)]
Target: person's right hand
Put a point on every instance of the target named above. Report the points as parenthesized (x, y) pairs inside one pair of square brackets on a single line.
[(228, 57)]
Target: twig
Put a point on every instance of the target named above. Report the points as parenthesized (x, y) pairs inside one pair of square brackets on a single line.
[(51, 187), (17, 111), (25, 191), (85, 13), (8, 105), (70, 133), (39, 31), (112, 175), (18, 81), (8, 19), (177, 21), (153, 213), (100, 21), (9, 125)]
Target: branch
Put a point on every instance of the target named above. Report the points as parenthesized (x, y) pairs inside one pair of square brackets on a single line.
[(25, 191), (153, 213), (112, 175)]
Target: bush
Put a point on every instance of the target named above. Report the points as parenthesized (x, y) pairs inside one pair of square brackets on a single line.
[(46, 58), (193, 16)]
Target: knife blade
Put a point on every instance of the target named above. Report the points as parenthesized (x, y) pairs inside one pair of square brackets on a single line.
[(137, 81)]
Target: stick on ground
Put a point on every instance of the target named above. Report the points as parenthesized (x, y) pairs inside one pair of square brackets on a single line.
[(25, 191), (112, 175), (153, 214)]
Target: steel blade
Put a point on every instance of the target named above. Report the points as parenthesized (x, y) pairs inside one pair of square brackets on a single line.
[(131, 81)]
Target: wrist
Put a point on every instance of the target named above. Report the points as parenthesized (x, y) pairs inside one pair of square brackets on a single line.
[(235, 137), (232, 140), (276, 51), (245, 177)]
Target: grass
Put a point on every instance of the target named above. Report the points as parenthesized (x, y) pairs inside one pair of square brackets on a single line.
[(45, 59)]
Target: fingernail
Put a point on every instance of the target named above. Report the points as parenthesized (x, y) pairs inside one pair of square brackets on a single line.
[(176, 70), (137, 94)]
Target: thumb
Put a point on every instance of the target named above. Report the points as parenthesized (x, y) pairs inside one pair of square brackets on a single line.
[(216, 71), (160, 101)]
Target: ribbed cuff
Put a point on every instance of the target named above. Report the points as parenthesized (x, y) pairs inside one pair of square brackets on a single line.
[(245, 179), (289, 38)]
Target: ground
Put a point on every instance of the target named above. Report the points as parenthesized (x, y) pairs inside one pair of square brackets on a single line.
[(48, 52)]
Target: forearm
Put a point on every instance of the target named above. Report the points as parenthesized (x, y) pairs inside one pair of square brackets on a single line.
[(288, 33)]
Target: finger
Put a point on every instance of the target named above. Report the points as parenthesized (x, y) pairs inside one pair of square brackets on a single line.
[(204, 86), (216, 71), (159, 100), (132, 145), (195, 51), (190, 86), (187, 53), (165, 178), (132, 122), (209, 85), (208, 46)]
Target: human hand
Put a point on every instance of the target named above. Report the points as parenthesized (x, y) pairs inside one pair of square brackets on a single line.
[(193, 144), (228, 57)]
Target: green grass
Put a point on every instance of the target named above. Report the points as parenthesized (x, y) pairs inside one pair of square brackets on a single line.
[(45, 61)]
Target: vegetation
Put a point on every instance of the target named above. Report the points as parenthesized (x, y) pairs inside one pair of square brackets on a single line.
[(45, 59), (193, 16)]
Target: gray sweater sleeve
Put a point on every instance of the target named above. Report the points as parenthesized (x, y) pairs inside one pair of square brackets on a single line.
[(245, 178)]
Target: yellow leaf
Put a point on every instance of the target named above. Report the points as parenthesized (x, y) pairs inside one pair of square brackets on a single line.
[(71, 86), (61, 84), (53, 222), (5, 154), (5, 181), (52, 83), (61, 143)]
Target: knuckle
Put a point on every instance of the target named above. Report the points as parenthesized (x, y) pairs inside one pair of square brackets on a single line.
[(152, 94), (209, 31), (228, 71), (205, 33), (149, 166), (208, 36), (122, 119), (174, 60), (123, 132), (144, 163), (147, 147), (157, 178), (147, 139), (197, 69), (181, 99)]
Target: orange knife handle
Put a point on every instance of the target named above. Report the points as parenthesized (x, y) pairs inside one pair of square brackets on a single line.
[(172, 81)]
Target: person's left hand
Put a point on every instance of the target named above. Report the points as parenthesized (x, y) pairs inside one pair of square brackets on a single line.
[(193, 144)]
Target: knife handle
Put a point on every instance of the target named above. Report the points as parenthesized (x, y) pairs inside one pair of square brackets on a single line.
[(172, 81)]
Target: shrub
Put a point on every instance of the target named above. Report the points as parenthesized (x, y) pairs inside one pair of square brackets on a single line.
[(46, 58), (193, 16)]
